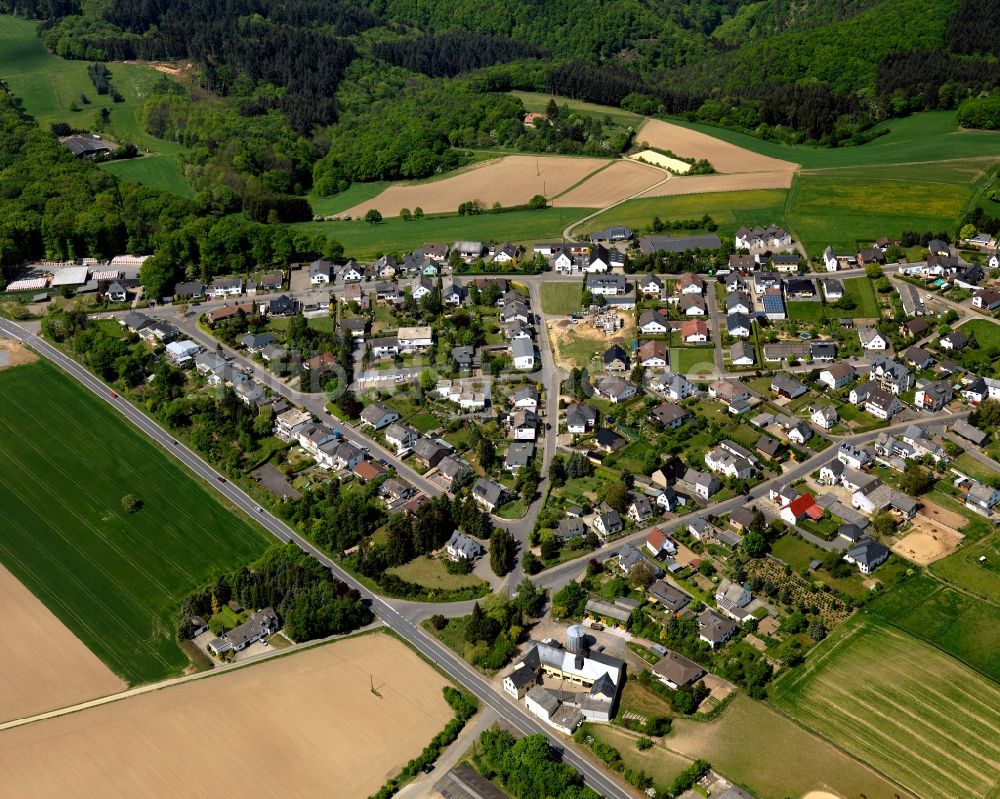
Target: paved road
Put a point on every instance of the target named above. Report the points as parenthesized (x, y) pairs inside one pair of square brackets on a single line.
[(389, 615)]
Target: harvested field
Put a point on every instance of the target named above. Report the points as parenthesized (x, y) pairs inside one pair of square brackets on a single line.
[(703, 184), (14, 353), (921, 717), (308, 725), (928, 540), (511, 180), (620, 180), (725, 157), (45, 665)]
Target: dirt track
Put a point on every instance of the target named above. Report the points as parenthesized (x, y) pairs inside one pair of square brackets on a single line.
[(14, 353), (299, 726), (45, 666), (725, 157), (620, 180), (510, 180)]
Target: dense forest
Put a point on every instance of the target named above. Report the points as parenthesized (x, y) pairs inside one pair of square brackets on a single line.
[(53, 205), (315, 94)]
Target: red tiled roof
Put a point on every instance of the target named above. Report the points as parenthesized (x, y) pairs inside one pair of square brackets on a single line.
[(367, 470), (805, 505), (656, 539)]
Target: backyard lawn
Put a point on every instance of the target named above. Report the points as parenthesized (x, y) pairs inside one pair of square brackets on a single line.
[(691, 360), (861, 290)]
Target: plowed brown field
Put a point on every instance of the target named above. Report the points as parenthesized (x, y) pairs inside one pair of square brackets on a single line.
[(620, 180), (303, 725), (511, 180), (725, 157)]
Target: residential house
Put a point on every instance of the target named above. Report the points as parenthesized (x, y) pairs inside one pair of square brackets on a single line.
[(415, 338), (288, 423), (733, 599), (859, 394), (852, 456), (980, 496), (616, 389), (877, 496), (933, 395), (653, 354), (872, 340), (692, 305), (823, 351), (955, 340), (691, 283), (722, 461), (965, 430), (802, 288), (524, 425), (738, 325), (608, 523), (191, 290), (833, 289), (580, 418), (890, 376), (525, 398), (837, 375), (769, 447), (824, 416), (786, 386), (787, 263), (401, 437), (654, 322), (694, 332), (714, 629), (181, 353), (465, 358), (669, 415), (608, 440), (763, 280), (652, 286), (616, 359), (986, 300), (226, 287), (771, 237), (915, 328), (463, 547), (676, 671), (519, 455), (262, 624), (352, 273), (774, 304), (742, 354), (378, 415), (321, 272), (675, 386), (606, 285), (383, 347), (669, 597), (867, 555), (742, 263), (429, 453), (453, 471), (917, 357), (702, 484), (728, 391), (802, 507), (659, 545), (523, 351), (638, 508), (882, 404), (738, 302)]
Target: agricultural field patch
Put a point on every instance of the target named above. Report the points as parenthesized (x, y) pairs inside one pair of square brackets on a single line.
[(726, 157), (831, 209), (45, 665), (963, 626), (538, 101), (363, 240), (115, 579), (619, 180), (921, 717), (727, 209), (510, 180), (786, 761), (927, 136), (314, 719), (707, 184)]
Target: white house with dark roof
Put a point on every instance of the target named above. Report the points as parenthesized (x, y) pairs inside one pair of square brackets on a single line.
[(463, 547), (378, 415)]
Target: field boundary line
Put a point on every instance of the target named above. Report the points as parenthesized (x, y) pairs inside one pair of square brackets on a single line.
[(584, 179), (139, 690)]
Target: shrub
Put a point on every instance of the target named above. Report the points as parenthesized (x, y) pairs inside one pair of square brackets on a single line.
[(131, 503), (643, 744)]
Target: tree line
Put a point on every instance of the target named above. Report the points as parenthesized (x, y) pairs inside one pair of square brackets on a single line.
[(453, 52)]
